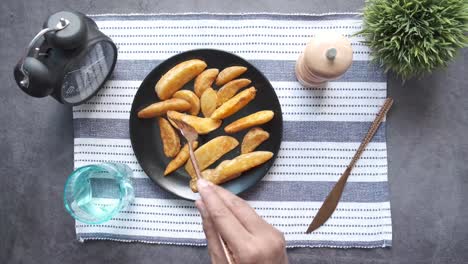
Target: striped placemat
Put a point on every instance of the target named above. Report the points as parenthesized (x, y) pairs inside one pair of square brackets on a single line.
[(322, 129)]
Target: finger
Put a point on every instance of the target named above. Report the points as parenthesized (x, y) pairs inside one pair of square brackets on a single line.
[(215, 249), (242, 211), (229, 227)]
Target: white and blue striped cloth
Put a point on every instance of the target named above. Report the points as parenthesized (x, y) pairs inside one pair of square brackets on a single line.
[(322, 129)]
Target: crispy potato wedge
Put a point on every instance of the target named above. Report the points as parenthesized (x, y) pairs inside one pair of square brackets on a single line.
[(230, 89), (191, 98), (201, 125), (234, 104), (204, 81), (210, 152), (169, 137), (180, 159), (253, 139), (208, 102), (177, 77), (161, 108), (255, 119), (207, 174), (231, 169), (229, 74)]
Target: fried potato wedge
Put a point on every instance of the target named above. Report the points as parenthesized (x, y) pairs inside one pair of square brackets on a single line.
[(210, 152), (169, 137), (161, 108), (255, 119), (204, 81), (207, 174), (208, 102), (230, 89), (229, 74), (231, 169), (180, 159), (253, 139), (200, 124), (177, 77), (234, 104), (191, 98)]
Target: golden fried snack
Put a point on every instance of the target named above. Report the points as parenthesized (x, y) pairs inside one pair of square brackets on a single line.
[(177, 77), (169, 137), (255, 119), (231, 169), (191, 98), (208, 102), (161, 108), (229, 74), (230, 89), (234, 104), (207, 174), (253, 139), (200, 124), (180, 159), (204, 81), (210, 152)]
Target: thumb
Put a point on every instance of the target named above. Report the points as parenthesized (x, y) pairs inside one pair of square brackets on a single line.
[(215, 248)]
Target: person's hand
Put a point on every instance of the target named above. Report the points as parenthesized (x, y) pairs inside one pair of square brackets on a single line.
[(247, 235)]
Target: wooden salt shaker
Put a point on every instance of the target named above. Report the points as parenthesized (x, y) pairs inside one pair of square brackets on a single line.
[(326, 57)]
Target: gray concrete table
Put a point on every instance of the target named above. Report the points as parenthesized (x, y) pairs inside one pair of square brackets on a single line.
[(427, 149)]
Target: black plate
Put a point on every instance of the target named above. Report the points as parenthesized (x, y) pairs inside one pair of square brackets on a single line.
[(146, 141)]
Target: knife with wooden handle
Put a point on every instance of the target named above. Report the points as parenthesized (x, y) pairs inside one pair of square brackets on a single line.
[(330, 203)]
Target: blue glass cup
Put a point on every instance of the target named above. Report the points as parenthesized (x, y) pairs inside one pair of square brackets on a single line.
[(94, 194)]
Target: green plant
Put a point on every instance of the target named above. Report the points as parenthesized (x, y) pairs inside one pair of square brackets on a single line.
[(413, 37)]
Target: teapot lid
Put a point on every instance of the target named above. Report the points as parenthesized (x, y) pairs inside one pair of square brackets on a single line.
[(328, 55)]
